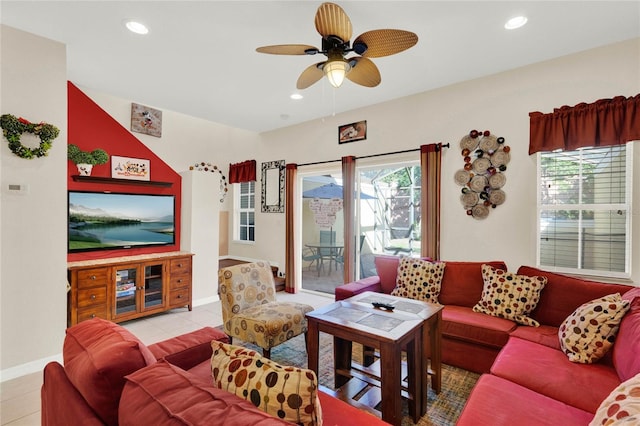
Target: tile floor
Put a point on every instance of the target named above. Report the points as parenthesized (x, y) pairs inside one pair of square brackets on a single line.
[(20, 397)]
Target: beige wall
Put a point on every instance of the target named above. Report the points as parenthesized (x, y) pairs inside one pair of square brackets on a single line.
[(33, 309), (500, 103)]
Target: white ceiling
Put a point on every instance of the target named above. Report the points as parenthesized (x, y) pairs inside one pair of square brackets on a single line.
[(199, 57)]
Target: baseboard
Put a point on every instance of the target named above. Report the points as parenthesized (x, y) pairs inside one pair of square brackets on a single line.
[(28, 368), (205, 301)]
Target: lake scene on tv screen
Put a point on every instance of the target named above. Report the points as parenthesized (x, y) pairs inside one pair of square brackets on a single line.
[(109, 220)]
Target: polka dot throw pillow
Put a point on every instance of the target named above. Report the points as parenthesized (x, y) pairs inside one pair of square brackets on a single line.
[(588, 333), (510, 296), (621, 407), (419, 279), (288, 393)]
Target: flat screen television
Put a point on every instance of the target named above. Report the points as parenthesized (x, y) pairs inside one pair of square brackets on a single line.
[(109, 220)]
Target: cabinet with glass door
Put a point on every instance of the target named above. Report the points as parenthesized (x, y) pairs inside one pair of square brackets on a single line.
[(139, 288)]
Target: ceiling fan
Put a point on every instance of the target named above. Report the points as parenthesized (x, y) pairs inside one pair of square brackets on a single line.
[(334, 26)]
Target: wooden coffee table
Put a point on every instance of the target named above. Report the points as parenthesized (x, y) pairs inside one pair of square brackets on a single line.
[(412, 326)]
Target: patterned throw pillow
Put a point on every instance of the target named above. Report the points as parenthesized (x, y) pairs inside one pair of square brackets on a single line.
[(288, 393), (588, 333), (510, 296), (419, 279), (621, 407)]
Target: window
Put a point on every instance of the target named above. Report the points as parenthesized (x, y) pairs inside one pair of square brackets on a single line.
[(244, 222), (584, 210)]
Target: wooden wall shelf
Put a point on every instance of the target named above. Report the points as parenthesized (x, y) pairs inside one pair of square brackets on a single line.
[(113, 181)]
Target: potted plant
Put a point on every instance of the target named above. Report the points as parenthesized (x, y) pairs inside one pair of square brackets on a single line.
[(85, 160)]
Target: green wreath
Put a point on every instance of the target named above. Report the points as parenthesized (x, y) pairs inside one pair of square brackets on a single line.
[(13, 128)]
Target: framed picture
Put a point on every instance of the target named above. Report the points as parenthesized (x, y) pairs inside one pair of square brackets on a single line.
[(130, 168), (352, 132), (146, 120)]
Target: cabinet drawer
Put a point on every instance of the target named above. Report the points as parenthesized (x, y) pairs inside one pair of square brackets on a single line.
[(180, 266), (179, 281), (180, 297), (92, 296), (99, 311), (92, 277)]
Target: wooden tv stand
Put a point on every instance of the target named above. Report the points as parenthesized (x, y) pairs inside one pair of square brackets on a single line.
[(124, 288)]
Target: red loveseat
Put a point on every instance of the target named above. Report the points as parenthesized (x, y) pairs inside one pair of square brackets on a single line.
[(472, 340), (110, 377)]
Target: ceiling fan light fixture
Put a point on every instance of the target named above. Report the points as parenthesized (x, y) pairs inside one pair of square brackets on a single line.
[(335, 71), (515, 22), (136, 27)]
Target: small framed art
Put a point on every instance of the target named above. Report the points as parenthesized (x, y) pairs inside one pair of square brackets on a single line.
[(146, 120), (352, 132), (130, 168)]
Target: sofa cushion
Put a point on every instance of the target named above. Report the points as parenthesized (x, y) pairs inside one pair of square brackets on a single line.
[(510, 296), (589, 332), (627, 347), (419, 279), (98, 354), (498, 402), (462, 323), (356, 287), (462, 282), (621, 407), (189, 349), (563, 294), (289, 393), (163, 394), (548, 371), (545, 335), (387, 270)]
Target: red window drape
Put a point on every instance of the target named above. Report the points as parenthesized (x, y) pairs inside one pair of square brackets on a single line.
[(242, 172), (348, 209), (431, 167), (290, 239), (602, 123)]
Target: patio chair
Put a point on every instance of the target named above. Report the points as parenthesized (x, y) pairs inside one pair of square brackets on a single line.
[(250, 311), (311, 256), (327, 253)]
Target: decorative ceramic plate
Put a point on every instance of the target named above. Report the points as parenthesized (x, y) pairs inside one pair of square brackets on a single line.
[(480, 211), (467, 142), (488, 143), (497, 197), (462, 177), (497, 180), (469, 199), (481, 165), (500, 158), (478, 183)]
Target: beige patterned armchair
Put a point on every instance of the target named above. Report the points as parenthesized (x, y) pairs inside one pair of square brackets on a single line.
[(250, 311)]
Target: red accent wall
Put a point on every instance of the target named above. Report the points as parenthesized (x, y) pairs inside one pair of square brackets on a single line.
[(90, 127)]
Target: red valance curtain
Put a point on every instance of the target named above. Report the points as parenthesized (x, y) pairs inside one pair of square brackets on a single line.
[(290, 240), (348, 209), (602, 123), (242, 172), (431, 168)]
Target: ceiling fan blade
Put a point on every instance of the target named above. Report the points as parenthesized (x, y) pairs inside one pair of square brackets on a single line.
[(331, 20), (287, 49), (385, 42), (310, 75), (363, 72)]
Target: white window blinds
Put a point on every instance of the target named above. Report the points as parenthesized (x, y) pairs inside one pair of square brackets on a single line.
[(584, 210)]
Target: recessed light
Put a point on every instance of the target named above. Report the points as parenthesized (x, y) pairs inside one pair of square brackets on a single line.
[(515, 22), (296, 96), (137, 27)]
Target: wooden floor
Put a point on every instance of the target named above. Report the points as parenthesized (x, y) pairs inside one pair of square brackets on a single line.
[(279, 281)]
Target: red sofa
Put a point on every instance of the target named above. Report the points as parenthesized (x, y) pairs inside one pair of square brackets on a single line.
[(528, 380), (534, 383), (110, 377), (472, 340)]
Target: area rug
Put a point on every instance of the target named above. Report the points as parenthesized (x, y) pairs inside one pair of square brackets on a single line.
[(442, 410)]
